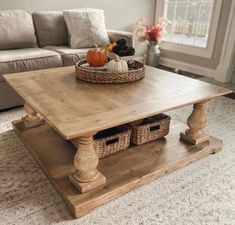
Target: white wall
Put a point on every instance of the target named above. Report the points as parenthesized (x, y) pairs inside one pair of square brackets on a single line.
[(120, 14)]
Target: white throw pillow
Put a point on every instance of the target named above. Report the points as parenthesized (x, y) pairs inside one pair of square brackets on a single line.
[(86, 28)]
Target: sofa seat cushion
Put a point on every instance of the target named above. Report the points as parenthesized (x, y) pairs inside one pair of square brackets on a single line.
[(20, 60), (67, 53), (16, 30), (50, 28)]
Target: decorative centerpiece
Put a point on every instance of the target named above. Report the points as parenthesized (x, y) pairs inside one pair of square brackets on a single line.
[(109, 64), (152, 36)]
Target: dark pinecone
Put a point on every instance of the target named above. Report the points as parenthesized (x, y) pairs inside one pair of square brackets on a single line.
[(131, 51), (121, 42), (133, 65), (126, 51), (118, 48), (122, 49)]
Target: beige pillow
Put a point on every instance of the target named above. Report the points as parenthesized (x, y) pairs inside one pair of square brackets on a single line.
[(86, 28)]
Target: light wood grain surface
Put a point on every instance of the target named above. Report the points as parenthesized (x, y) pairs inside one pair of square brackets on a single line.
[(124, 170), (76, 108)]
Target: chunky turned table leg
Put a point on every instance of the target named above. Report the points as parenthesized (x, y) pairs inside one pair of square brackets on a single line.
[(32, 119), (86, 177), (196, 123)]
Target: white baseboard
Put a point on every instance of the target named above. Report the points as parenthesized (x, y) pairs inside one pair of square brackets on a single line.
[(188, 67), (191, 68)]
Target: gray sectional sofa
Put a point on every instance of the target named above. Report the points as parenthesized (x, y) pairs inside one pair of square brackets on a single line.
[(35, 41)]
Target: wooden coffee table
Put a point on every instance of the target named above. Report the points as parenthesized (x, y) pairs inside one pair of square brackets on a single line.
[(61, 108)]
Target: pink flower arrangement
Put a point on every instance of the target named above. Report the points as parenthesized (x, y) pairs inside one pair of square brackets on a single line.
[(146, 33)]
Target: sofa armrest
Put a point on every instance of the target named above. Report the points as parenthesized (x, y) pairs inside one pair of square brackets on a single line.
[(114, 35)]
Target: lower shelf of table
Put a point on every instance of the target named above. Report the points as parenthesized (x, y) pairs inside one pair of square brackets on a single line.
[(124, 170)]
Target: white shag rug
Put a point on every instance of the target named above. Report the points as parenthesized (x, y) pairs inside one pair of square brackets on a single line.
[(202, 193)]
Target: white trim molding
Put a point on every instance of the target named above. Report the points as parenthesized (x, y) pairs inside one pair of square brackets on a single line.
[(193, 50), (225, 69), (204, 71)]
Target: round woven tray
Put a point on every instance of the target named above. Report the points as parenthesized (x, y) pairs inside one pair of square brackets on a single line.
[(104, 77)]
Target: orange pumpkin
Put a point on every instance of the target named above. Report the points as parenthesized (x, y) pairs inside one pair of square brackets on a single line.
[(96, 57)]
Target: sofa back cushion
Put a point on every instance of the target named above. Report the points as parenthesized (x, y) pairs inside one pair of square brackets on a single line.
[(16, 30), (50, 28)]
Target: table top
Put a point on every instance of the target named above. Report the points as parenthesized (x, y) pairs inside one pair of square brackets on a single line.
[(77, 108)]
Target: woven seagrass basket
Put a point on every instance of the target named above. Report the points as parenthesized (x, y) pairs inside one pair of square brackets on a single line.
[(150, 129), (111, 140), (105, 77)]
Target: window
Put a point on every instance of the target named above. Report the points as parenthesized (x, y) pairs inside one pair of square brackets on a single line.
[(193, 24), (190, 21)]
